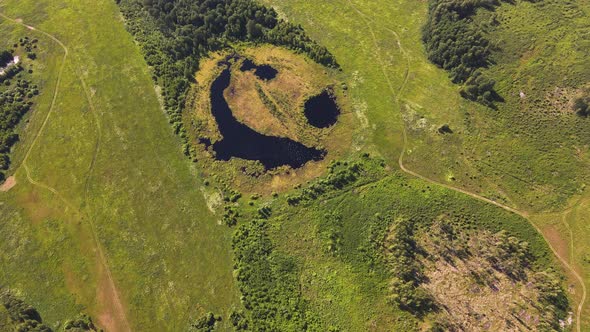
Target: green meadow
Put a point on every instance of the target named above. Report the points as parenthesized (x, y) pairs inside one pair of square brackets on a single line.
[(108, 216), (529, 154), (125, 207)]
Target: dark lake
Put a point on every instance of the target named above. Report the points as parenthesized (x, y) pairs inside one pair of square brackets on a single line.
[(264, 72), (321, 111), (243, 142)]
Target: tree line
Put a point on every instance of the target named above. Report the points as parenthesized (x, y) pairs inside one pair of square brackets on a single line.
[(455, 43), (25, 318), (16, 99)]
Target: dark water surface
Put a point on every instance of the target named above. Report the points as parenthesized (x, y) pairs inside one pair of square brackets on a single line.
[(241, 141), (264, 72), (321, 111)]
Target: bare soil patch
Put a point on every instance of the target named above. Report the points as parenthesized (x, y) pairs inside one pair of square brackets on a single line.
[(111, 312), (8, 184), (553, 235)]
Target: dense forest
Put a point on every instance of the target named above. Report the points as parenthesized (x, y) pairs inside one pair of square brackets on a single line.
[(175, 34), (455, 43)]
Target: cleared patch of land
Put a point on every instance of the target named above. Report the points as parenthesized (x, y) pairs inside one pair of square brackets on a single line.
[(8, 184), (485, 281)]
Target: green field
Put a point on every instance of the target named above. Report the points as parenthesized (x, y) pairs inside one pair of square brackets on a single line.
[(338, 282), (108, 217), (123, 200), (528, 155)]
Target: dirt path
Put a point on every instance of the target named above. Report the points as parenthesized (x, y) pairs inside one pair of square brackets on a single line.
[(523, 214), (113, 316)]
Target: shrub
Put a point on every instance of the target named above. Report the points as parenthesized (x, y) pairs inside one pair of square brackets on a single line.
[(582, 106)]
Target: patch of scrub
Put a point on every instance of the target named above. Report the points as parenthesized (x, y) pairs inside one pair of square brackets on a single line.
[(213, 199)]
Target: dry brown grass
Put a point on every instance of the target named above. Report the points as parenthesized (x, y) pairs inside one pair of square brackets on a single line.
[(501, 305), (249, 109), (8, 184)]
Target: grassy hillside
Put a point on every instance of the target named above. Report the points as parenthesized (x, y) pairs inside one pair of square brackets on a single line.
[(545, 163), (326, 243), (109, 214), (123, 203), (528, 154)]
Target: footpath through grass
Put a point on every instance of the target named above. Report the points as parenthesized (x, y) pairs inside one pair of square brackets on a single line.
[(107, 150)]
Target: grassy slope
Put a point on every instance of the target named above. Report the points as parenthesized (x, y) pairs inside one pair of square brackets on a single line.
[(569, 229), (341, 287), (397, 83), (543, 47), (167, 255), (577, 224), (429, 100), (133, 225), (547, 43), (513, 155)]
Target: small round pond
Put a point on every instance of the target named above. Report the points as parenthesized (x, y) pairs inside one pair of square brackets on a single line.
[(322, 111)]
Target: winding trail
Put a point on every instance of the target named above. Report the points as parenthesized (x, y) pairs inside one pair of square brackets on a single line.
[(114, 303), (523, 214)]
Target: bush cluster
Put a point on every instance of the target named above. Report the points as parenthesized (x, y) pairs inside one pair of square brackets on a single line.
[(268, 281), (29, 46), (206, 323), (25, 318), (338, 178), (5, 58), (454, 43), (81, 324), (400, 253), (582, 106)]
